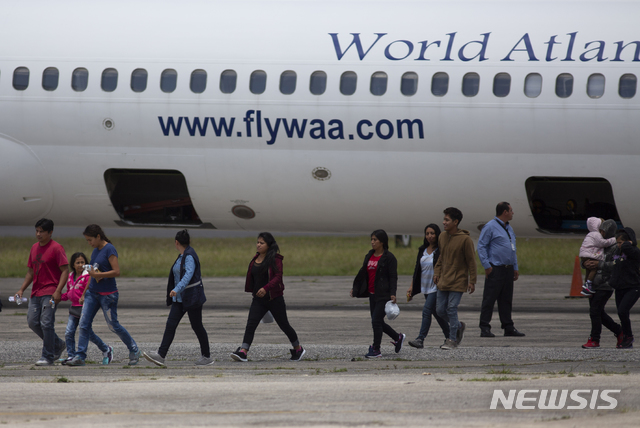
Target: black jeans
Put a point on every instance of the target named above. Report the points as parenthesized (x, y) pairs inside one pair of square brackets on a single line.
[(259, 307), (598, 315), (377, 322), (498, 286), (195, 318), (625, 299)]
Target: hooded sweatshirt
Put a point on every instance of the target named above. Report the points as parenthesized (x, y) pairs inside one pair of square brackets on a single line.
[(626, 263), (456, 266), (594, 244), (601, 281)]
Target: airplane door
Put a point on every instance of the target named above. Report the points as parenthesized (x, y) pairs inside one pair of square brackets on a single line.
[(26, 192), (563, 204), (152, 197)]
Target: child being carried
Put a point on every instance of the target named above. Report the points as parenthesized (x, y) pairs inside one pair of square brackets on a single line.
[(593, 249)]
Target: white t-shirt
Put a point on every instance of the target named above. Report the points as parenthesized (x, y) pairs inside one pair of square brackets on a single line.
[(426, 263)]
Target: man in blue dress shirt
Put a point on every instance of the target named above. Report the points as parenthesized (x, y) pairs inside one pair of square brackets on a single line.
[(497, 252)]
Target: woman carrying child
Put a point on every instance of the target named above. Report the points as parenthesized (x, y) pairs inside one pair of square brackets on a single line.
[(592, 248), (77, 282)]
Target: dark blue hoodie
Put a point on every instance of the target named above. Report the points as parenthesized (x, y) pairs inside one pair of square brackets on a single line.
[(626, 268)]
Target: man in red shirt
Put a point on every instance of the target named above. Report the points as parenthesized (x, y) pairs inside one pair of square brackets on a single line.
[(48, 270)]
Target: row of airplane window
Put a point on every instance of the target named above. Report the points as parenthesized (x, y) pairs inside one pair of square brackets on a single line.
[(378, 83)]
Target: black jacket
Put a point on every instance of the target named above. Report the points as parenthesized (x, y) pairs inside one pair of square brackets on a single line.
[(417, 271), (625, 272), (386, 282)]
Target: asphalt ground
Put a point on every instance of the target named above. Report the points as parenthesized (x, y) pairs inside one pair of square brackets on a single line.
[(333, 385)]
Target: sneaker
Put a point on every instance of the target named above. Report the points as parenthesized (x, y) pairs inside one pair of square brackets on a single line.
[(619, 338), (202, 361), (418, 343), (297, 355), (65, 361), (586, 290), (134, 357), (239, 355), (398, 343), (460, 332), (627, 343), (591, 344), (373, 353), (59, 353), (76, 362), (449, 344), (443, 343), (155, 358), (107, 357), (44, 362)]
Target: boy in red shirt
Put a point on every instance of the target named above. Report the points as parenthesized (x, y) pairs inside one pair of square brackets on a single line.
[(48, 270)]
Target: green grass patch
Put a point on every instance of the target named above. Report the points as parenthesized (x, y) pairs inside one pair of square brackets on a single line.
[(152, 257)]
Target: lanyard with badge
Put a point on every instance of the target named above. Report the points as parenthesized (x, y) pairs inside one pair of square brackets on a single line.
[(513, 247)]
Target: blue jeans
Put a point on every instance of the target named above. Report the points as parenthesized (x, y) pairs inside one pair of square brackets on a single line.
[(70, 337), (42, 318), (109, 304), (428, 310), (447, 308)]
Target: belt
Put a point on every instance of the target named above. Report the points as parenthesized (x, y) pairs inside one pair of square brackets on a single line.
[(502, 266)]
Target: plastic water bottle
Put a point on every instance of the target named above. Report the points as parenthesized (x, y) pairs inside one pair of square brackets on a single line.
[(17, 300), (90, 267), (53, 303)]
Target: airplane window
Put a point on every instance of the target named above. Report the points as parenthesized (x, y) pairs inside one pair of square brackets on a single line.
[(50, 78), (228, 80), (288, 82), (440, 84), (533, 85), (378, 83), (595, 86), (470, 84), (79, 79), (628, 85), (501, 85), (258, 82), (564, 85), (198, 81), (318, 82), (168, 80), (109, 79), (21, 78), (348, 83), (139, 80), (409, 84)]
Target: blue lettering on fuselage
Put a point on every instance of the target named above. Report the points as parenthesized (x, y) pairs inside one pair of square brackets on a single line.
[(569, 47)]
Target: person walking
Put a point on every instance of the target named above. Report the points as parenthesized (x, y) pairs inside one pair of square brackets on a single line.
[(602, 292), (264, 282), (497, 253), (48, 270), (625, 279), (423, 283), (454, 273), (102, 292), (378, 280), (184, 274)]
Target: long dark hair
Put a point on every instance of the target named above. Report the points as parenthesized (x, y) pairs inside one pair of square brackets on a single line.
[(382, 237), (93, 230), (72, 262), (273, 249), (435, 229)]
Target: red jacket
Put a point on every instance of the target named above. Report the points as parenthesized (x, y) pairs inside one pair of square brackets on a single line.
[(275, 286)]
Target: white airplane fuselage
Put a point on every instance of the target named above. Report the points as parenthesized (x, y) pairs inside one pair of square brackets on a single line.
[(391, 161)]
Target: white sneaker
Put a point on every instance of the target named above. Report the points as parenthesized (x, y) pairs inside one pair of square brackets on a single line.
[(43, 362)]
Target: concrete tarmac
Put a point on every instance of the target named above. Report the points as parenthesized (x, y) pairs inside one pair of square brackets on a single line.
[(333, 385)]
